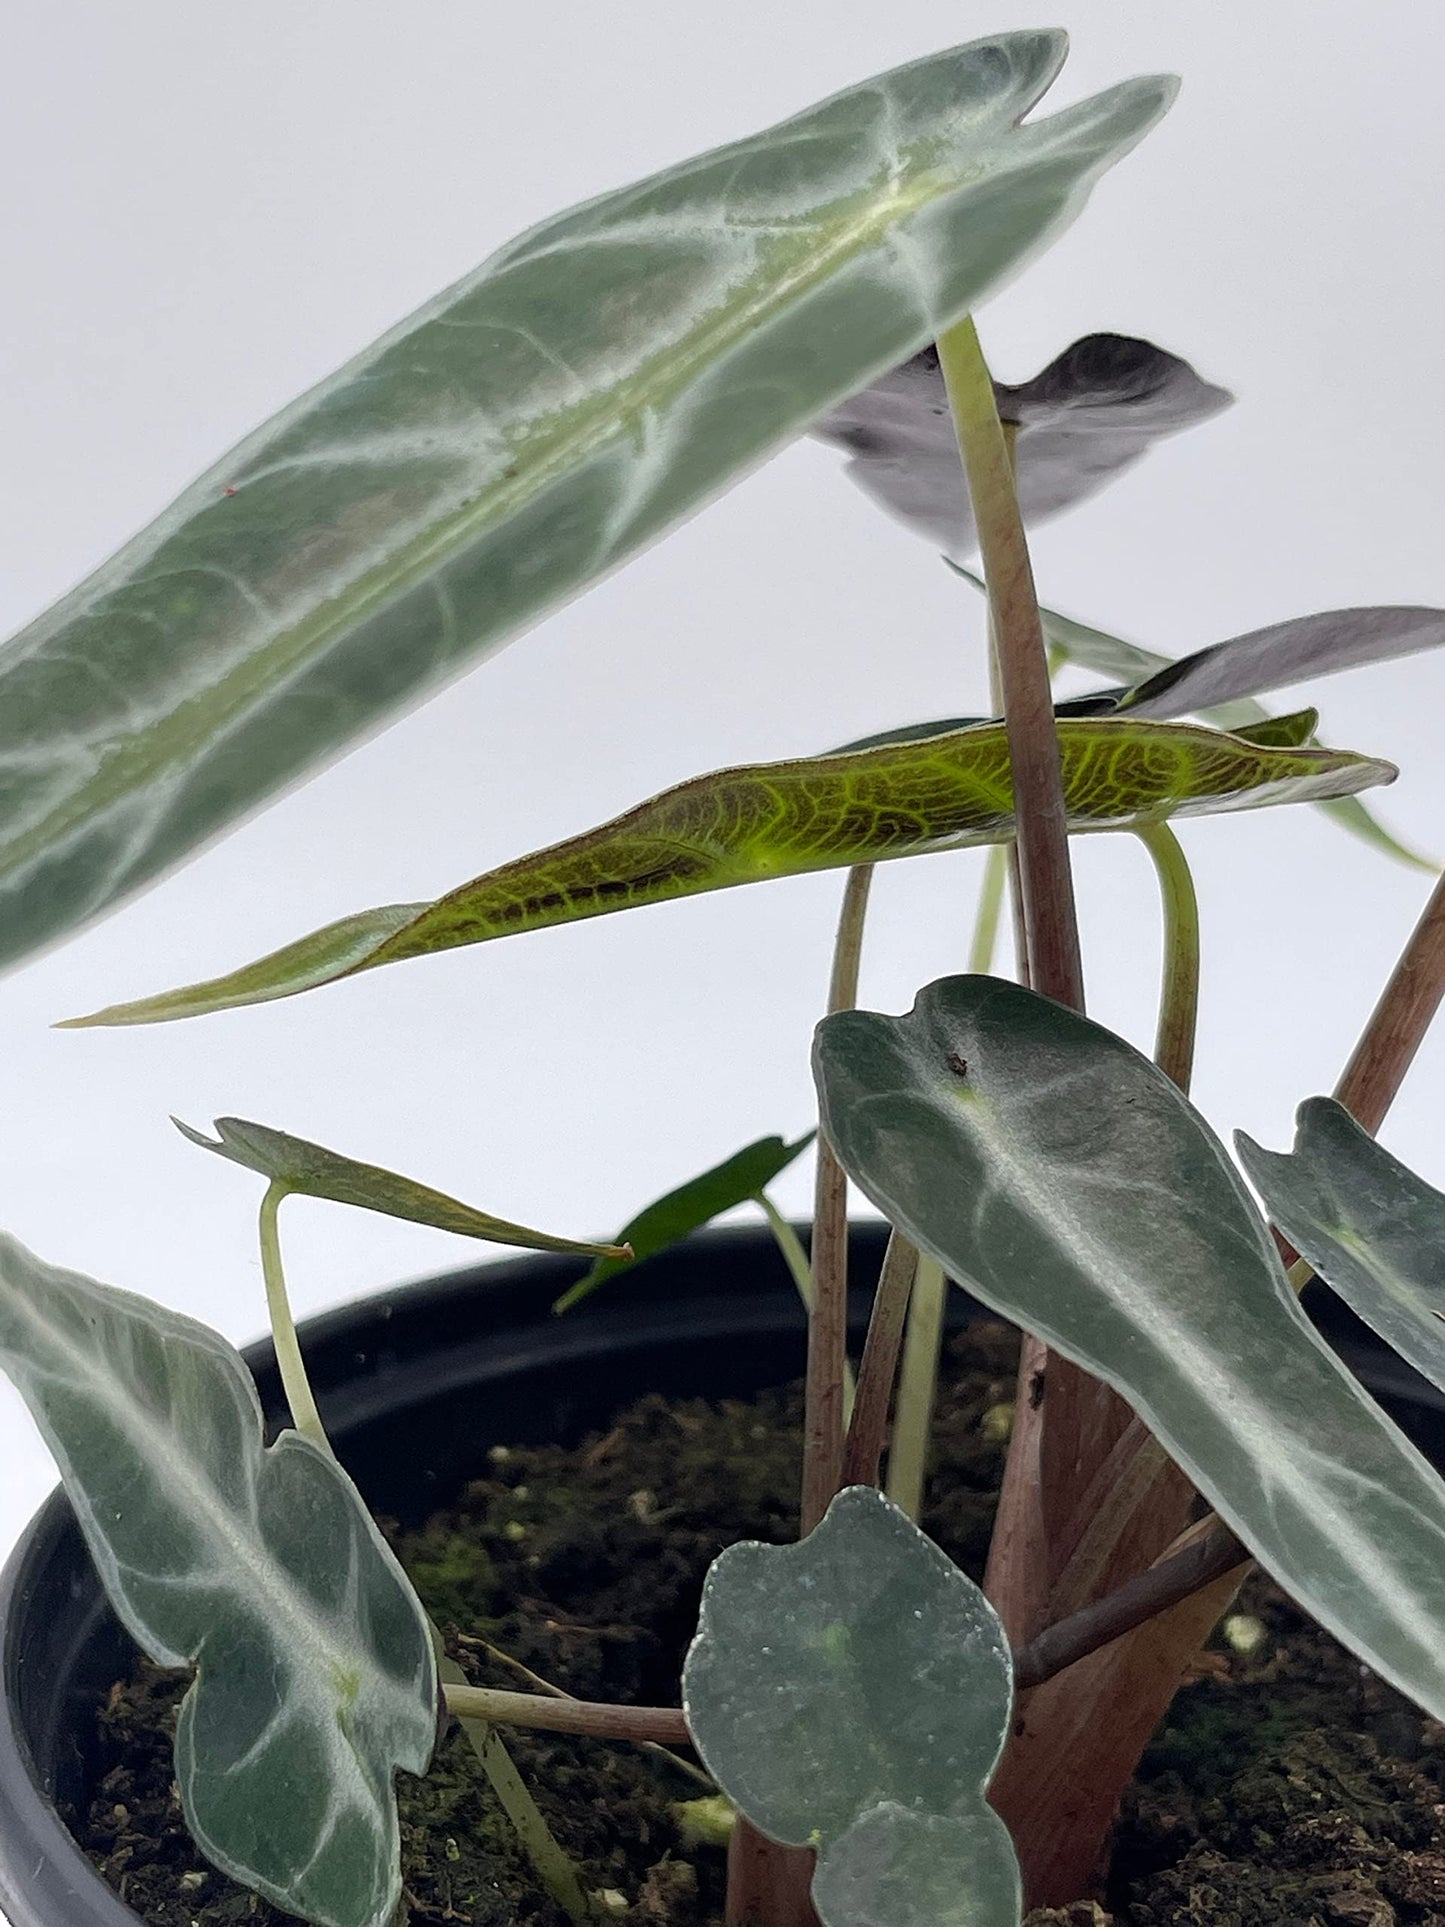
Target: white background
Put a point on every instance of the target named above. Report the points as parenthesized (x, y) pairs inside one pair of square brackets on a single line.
[(206, 208)]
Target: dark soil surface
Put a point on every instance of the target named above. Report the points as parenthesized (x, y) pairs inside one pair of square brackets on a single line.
[(1288, 1788)]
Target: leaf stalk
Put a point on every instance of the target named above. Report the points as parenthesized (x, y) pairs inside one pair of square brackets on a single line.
[(1179, 997), (823, 1396)]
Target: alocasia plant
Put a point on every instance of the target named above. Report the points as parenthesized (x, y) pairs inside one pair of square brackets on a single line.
[(852, 1693)]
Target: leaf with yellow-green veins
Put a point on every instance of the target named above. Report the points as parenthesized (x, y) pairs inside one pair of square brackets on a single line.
[(310, 1170), (688, 1207), (594, 382), (772, 820)]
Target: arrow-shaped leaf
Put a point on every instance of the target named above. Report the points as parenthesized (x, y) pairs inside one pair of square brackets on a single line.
[(313, 1171), (692, 1205), (591, 384), (1372, 1230), (783, 819), (261, 1568), (1063, 1179), (853, 1693), (1091, 414)]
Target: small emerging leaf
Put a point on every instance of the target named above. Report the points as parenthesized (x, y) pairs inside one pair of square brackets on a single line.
[(771, 820), (313, 1171), (594, 382), (1372, 1230), (852, 1692), (1066, 1182), (261, 1568), (688, 1208), (1091, 414)]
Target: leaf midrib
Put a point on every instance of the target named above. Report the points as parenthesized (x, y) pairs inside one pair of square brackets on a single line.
[(171, 740)]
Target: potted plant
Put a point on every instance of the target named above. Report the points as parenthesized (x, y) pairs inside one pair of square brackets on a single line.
[(898, 1744)]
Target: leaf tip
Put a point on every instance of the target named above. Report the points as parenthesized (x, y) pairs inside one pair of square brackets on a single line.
[(194, 1136)]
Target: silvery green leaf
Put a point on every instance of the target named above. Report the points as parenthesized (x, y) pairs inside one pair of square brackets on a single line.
[(591, 384), (1372, 1230), (895, 1867), (1091, 414), (261, 1568), (840, 1682), (1063, 1179), (313, 1171)]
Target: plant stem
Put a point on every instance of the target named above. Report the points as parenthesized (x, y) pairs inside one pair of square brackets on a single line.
[(796, 1259), (917, 1385), (1010, 432), (1209, 1556), (503, 1658), (791, 1246), (1179, 998), (1399, 1021), (828, 1321), (1045, 877), (1050, 1450), (863, 1448), (552, 1866), (294, 1381), (768, 1885), (990, 904), (1211, 1551), (663, 1724)]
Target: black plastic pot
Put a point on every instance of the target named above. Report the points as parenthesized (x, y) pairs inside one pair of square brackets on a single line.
[(415, 1384)]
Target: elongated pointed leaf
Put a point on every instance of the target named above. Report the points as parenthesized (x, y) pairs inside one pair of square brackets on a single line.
[(1372, 1230), (784, 819), (858, 1680), (1091, 414), (523, 433), (1284, 653), (314, 1671), (692, 1205), (1058, 1175), (314, 1172), (1110, 655), (1361, 821)]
